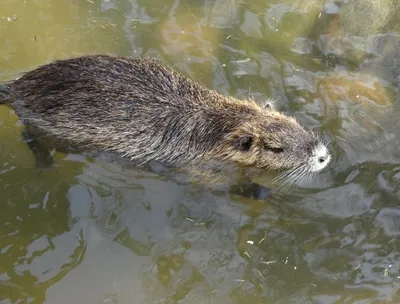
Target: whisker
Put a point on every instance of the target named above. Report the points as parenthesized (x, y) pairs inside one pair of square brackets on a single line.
[(286, 174), (288, 179)]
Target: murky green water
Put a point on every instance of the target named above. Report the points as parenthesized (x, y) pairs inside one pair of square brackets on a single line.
[(91, 232)]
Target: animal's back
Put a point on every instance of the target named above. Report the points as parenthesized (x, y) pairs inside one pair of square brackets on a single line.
[(118, 104), (94, 85)]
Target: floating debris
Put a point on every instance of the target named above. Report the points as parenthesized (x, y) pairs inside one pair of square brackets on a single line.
[(229, 36), (243, 60), (259, 272), (9, 19), (268, 262), (246, 253), (90, 1), (190, 220), (262, 240), (286, 261), (250, 242), (386, 272), (45, 200)]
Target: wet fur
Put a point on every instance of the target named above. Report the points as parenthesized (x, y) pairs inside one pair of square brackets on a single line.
[(146, 111)]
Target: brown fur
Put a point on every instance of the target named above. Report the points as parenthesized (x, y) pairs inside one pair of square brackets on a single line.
[(146, 111)]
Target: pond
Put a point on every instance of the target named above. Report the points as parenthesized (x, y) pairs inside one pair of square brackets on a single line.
[(91, 231)]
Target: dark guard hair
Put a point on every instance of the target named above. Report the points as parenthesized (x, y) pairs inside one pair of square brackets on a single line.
[(146, 111)]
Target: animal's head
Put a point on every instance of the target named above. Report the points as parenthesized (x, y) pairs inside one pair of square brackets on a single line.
[(273, 141)]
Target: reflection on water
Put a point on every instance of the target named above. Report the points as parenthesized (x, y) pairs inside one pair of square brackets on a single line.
[(88, 231)]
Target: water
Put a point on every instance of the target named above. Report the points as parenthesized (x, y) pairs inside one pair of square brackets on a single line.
[(88, 231)]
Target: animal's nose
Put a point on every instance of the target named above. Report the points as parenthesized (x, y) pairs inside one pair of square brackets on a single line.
[(320, 158)]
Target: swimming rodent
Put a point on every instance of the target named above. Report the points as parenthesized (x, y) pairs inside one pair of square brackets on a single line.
[(146, 111)]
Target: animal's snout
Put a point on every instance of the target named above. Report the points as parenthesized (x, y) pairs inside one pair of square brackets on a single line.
[(320, 157)]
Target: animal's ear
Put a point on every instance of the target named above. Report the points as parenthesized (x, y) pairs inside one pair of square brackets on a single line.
[(243, 143), (268, 104)]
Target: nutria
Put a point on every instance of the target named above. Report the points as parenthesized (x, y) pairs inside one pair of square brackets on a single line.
[(146, 111)]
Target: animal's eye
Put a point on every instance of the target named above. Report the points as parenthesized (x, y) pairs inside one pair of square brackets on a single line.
[(243, 143), (274, 150)]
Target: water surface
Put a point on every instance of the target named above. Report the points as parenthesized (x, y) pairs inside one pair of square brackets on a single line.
[(88, 231)]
